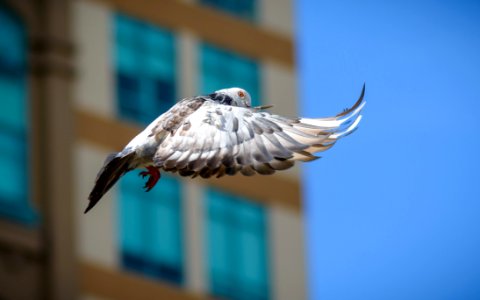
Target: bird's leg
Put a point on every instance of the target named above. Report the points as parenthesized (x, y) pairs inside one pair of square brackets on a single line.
[(154, 174)]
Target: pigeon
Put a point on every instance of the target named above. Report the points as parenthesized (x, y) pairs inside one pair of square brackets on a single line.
[(222, 134)]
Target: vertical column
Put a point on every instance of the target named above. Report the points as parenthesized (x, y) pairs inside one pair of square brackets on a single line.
[(277, 16), (287, 259), (96, 233), (51, 52), (94, 38), (194, 212), (280, 90), (187, 65)]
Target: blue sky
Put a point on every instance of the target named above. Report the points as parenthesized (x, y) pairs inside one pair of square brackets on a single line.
[(393, 211)]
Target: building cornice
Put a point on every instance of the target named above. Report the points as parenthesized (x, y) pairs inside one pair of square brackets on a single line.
[(116, 285), (212, 26)]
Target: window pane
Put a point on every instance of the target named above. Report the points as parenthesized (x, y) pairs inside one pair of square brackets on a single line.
[(223, 69), (13, 112), (244, 9), (127, 60), (236, 247), (130, 223), (12, 44), (151, 228), (165, 213), (12, 159), (15, 181), (145, 69)]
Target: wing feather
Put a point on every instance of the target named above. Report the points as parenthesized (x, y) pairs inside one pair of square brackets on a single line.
[(218, 140)]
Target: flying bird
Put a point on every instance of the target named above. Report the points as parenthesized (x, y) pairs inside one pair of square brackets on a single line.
[(222, 134)]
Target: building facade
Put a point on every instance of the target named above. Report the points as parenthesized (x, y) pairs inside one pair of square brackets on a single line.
[(86, 77)]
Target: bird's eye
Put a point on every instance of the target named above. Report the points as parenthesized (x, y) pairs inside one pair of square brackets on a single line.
[(241, 94)]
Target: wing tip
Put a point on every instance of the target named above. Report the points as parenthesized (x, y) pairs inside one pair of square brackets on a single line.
[(90, 205), (349, 130), (358, 103)]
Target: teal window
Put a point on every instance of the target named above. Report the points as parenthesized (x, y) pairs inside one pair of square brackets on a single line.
[(151, 228), (245, 9), (223, 69), (145, 69), (236, 247), (14, 175)]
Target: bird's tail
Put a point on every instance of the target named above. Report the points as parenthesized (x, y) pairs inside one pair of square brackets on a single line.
[(116, 165)]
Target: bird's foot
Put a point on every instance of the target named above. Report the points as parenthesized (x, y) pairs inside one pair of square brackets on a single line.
[(154, 174)]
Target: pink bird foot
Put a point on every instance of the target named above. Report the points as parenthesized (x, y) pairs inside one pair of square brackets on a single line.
[(154, 174)]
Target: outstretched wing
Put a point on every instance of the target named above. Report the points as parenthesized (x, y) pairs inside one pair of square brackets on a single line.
[(219, 139)]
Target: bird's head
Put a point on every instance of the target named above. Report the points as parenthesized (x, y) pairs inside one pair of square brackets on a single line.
[(232, 96)]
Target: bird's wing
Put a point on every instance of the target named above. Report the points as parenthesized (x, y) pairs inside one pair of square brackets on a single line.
[(218, 139)]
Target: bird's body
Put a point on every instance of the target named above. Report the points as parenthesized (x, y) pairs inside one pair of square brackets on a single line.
[(220, 134)]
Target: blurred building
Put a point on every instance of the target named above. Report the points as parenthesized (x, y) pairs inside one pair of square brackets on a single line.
[(78, 80)]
